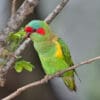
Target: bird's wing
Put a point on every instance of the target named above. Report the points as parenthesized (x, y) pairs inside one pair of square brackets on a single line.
[(66, 52), (67, 55)]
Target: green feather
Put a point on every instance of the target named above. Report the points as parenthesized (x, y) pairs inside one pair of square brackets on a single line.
[(66, 52), (68, 76)]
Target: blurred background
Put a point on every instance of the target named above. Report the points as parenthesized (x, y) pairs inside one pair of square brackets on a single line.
[(79, 25)]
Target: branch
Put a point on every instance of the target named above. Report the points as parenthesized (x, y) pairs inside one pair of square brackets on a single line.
[(47, 78), (56, 11), (13, 9), (4, 69), (14, 23), (17, 19)]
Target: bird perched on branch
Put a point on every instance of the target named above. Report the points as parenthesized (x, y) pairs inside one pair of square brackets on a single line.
[(52, 51)]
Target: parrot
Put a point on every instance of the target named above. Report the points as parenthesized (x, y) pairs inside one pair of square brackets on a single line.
[(53, 52)]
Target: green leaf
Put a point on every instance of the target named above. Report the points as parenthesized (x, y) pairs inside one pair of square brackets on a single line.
[(20, 65), (14, 39), (18, 35), (28, 66)]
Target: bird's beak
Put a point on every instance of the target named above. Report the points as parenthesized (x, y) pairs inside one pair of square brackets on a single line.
[(27, 35)]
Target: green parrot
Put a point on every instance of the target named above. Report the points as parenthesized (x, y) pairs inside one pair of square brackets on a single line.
[(53, 52)]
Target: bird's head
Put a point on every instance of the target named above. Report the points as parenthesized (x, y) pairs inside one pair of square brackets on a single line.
[(37, 30)]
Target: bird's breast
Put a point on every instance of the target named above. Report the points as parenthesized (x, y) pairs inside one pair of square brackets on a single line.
[(50, 49)]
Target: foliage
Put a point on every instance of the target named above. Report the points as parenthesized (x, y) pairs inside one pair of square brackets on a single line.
[(20, 65), (14, 39)]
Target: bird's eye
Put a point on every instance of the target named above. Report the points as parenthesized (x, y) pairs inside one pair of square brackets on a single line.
[(40, 31), (29, 29)]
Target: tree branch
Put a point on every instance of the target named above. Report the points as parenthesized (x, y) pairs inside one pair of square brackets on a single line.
[(47, 78), (17, 19), (13, 9), (57, 10), (14, 23)]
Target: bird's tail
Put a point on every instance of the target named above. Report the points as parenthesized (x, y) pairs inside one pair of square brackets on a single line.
[(69, 81)]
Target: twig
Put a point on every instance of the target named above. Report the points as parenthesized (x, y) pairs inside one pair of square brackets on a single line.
[(13, 58), (56, 11), (14, 23), (9, 64), (47, 78), (13, 8)]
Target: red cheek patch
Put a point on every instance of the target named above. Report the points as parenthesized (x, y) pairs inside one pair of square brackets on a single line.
[(40, 31), (28, 29)]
